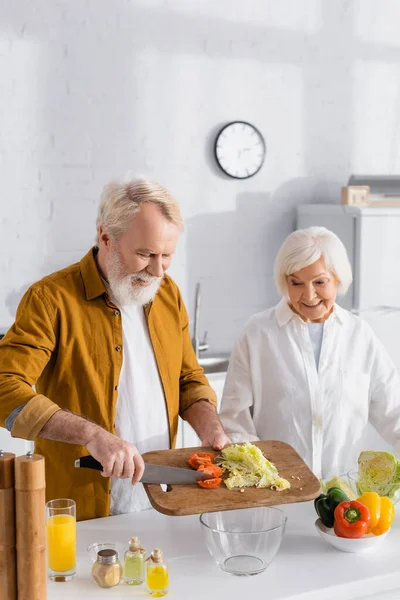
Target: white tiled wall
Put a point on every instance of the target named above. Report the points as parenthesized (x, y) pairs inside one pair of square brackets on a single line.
[(93, 88)]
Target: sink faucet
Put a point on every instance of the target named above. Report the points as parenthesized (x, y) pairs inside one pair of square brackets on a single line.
[(199, 346)]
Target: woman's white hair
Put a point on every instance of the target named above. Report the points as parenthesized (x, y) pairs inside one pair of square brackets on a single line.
[(303, 248), (121, 200)]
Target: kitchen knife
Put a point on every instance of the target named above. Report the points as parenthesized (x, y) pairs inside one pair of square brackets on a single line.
[(152, 473)]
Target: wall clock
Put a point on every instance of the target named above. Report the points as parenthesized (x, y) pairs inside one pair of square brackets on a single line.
[(239, 150)]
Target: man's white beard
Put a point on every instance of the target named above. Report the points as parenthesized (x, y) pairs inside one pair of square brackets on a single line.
[(124, 287)]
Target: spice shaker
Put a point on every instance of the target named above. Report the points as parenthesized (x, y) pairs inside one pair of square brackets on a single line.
[(157, 574), (8, 558), (30, 502), (107, 570), (134, 563)]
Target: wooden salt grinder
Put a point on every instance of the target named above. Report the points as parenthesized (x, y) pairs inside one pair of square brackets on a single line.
[(30, 485), (8, 558)]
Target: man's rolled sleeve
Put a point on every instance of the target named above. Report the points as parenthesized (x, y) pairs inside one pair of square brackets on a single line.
[(25, 351), (33, 417), (195, 392)]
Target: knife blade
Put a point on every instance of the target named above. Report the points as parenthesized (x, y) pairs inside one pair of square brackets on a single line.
[(152, 473)]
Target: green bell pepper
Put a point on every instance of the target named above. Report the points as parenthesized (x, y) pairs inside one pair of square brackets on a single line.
[(325, 505)]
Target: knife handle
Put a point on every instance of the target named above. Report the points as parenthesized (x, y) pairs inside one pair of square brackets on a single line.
[(88, 462)]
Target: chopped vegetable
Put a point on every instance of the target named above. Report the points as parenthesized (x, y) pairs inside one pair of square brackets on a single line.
[(378, 472), (338, 482), (200, 458), (325, 505), (204, 463), (247, 467), (209, 484), (210, 469), (206, 455), (351, 519), (381, 510)]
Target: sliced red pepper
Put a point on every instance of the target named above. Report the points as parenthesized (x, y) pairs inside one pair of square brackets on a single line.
[(210, 469), (200, 458), (208, 455), (351, 519), (193, 463), (209, 484)]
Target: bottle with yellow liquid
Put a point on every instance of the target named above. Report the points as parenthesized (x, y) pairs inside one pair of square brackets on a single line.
[(157, 574)]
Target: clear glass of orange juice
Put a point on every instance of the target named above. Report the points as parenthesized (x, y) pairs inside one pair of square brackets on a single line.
[(61, 539)]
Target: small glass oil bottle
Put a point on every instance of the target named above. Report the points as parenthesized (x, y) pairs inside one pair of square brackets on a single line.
[(157, 574), (134, 563)]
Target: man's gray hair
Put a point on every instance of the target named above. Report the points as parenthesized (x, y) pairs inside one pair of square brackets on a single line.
[(121, 200), (303, 248)]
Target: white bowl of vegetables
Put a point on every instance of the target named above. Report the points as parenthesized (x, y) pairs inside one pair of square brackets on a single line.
[(356, 511), (355, 545)]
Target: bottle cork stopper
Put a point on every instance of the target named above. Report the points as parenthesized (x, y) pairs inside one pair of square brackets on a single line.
[(157, 555), (134, 544), (6, 470), (29, 472)]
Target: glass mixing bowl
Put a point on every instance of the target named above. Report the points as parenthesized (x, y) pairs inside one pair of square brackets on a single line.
[(244, 542)]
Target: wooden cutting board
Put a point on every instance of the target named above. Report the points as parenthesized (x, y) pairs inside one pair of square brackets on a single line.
[(191, 499)]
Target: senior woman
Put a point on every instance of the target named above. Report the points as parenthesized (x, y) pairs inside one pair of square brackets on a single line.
[(308, 372)]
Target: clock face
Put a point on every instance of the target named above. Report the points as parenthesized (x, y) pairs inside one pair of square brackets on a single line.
[(239, 150)]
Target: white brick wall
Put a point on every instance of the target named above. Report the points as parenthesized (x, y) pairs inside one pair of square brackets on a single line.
[(92, 88)]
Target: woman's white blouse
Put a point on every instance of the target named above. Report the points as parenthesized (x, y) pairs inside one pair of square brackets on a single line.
[(274, 391)]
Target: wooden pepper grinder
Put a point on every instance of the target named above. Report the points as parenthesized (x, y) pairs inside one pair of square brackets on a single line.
[(30, 485), (8, 559)]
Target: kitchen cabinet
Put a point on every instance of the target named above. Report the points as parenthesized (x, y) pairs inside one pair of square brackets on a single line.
[(371, 237), (187, 437), (305, 568)]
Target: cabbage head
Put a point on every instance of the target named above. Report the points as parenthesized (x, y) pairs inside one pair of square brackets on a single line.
[(378, 472)]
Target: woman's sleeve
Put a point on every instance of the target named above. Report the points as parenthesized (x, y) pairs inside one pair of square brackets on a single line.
[(237, 400)]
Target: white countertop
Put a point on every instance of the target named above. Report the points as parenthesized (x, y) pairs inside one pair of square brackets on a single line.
[(305, 568)]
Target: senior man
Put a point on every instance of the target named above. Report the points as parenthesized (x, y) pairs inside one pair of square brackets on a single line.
[(106, 344)]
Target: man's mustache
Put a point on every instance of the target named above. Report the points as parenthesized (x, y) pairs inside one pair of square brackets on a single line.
[(146, 277)]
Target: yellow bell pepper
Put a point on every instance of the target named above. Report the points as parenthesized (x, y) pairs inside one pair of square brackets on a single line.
[(381, 509), (387, 516), (372, 501)]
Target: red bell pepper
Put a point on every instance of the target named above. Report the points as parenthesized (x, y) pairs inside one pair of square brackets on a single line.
[(351, 519)]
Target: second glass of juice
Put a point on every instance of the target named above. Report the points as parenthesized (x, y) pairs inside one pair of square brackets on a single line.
[(61, 539)]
